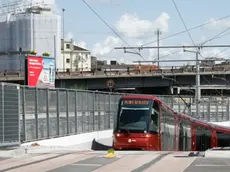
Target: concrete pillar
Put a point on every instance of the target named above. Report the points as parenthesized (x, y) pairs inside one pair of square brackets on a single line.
[(171, 90), (178, 90)]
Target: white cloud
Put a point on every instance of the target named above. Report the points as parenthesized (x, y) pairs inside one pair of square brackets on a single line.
[(107, 46), (133, 30), (218, 24), (132, 26)]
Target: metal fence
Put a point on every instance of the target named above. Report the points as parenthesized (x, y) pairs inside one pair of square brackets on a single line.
[(212, 108), (47, 113), (9, 114)]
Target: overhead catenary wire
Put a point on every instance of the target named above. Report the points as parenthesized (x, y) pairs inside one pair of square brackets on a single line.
[(198, 91), (222, 35), (184, 31), (154, 41), (221, 51), (111, 27), (218, 36), (186, 28), (174, 3), (199, 50), (222, 55), (169, 54)]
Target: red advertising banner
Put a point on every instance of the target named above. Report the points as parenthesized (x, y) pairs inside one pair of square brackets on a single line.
[(35, 66), (41, 71)]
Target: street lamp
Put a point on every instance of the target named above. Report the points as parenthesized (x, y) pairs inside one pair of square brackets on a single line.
[(63, 22)]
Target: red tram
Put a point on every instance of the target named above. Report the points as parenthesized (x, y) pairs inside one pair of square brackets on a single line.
[(146, 123)]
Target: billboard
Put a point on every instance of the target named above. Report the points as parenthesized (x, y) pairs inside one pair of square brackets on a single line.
[(40, 71)]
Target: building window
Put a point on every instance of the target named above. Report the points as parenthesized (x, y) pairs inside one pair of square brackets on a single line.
[(67, 60), (67, 46)]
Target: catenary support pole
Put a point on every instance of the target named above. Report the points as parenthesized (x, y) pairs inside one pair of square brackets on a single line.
[(158, 32), (198, 90)]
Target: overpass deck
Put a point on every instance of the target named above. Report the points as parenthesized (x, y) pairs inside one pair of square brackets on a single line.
[(14, 76)]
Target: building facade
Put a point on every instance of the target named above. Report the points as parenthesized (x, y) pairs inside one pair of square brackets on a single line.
[(74, 58)]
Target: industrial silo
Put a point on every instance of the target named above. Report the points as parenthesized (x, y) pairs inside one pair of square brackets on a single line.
[(33, 28)]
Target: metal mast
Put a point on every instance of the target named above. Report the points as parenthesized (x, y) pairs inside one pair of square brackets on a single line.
[(158, 32), (198, 90)]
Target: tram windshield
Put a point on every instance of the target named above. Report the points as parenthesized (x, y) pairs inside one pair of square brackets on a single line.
[(134, 115)]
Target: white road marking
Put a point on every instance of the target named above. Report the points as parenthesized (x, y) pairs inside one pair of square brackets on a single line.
[(210, 165)]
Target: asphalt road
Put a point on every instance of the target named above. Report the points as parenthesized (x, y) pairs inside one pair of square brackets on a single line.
[(209, 165)]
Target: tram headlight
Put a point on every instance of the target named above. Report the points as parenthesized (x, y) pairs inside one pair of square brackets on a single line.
[(119, 135), (147, 135)]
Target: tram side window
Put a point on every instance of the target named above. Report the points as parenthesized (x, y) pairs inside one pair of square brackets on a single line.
[(185, 136), (154, 120), (203, 139), (223, 139), (167, 129)]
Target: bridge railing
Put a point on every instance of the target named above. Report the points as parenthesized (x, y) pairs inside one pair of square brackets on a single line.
[(60, 74)]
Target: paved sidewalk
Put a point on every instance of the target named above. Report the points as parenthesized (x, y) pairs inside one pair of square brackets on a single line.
[(127, 161)]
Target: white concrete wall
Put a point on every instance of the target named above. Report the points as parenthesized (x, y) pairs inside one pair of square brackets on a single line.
[(217, 154), (85, 63), (74, 140)]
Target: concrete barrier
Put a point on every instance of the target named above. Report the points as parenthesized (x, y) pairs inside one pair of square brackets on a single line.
[(218, 153), (80, 142), (73, 140)]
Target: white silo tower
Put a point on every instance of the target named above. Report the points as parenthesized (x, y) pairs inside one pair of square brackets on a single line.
[(31, 25)]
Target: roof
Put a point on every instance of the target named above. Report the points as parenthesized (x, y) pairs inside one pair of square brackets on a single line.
[(77, 48)]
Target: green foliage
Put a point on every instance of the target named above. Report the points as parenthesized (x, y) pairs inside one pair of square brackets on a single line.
[(46, 54)]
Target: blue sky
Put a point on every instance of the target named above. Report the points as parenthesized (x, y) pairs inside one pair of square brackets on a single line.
[(139, 23)]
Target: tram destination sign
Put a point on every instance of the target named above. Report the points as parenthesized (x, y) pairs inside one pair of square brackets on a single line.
[(136, 102)]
